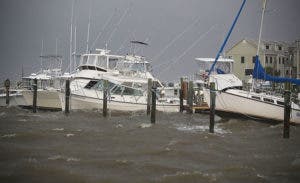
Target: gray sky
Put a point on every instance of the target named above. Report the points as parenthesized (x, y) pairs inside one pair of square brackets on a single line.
[(163, 23)]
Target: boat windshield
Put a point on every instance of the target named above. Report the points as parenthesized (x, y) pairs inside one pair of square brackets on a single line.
[(117, 89)]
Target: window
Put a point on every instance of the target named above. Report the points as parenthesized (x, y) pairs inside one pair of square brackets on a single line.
[(280, 103), (287, 72), (271, 60), (253, 59), (279, 48), (248, 72), (268, 100), (90, 84), (242, 59), (279, 60), (255, 97), (267, 47)]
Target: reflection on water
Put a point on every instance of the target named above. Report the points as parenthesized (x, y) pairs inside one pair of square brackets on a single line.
[(85, 147)]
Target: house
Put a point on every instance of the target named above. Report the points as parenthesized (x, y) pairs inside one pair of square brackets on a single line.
[(279, 58)]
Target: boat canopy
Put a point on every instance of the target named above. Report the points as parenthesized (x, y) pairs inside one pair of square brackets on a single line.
[(260, 73)]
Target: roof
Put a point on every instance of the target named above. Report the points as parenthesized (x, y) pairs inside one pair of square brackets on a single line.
[(221, 59)]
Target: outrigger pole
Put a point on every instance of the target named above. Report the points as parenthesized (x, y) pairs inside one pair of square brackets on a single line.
[(227, 37)]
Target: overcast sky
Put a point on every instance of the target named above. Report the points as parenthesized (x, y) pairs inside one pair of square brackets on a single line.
[(182, 29)]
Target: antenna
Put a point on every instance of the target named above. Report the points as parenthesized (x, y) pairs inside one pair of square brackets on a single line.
[(42, 55), (75, 38), (71, 37), (88, 31)]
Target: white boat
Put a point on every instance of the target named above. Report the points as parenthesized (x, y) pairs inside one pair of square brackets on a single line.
[(127, 75), (231, 98), (15, 97), (49, 82)]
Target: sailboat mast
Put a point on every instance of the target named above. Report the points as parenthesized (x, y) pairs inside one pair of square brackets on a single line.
[(71, 37), (227, 37), (261, 24)]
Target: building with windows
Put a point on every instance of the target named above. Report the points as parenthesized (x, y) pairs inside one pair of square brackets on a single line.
[(279, 58)]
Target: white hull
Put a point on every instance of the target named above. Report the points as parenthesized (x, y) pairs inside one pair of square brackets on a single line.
[(233, 102), (48, 99), (14, 100), (78, 102)]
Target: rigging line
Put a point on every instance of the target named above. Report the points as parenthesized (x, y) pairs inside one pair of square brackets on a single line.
[(103, 28), (123, 43), (176, 38), (118, 24), (173, 61)]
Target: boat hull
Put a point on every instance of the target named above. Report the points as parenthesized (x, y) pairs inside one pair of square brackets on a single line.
[(229, 102), (46, 99), (14, 100), (78, 102)]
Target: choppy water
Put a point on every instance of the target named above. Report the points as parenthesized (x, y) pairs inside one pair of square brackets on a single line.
[(85, 147)]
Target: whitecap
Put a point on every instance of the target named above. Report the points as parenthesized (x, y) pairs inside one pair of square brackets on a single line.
[(145, 125), (58, 129), (8, 135), (55, 157), (72, 159), (119, 126), (22, 120), (69, 135)]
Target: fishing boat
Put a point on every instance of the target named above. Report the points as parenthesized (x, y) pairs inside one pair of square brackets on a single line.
[(232, 99), (127, 78), (49, 82)]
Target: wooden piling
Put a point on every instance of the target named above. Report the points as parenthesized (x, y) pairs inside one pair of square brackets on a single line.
[(105, 90), (212, 107), (287, 111), (190, 97), (34, 98), (67, 97), (153, 103), (149, 96), (7, 86), (181, 95)]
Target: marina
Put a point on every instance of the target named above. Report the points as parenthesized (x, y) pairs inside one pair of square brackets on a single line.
[(156, 106)]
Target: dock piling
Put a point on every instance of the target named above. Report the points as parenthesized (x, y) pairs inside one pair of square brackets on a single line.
[(7, 86), (181, 95), (34, 99), (105, 89), (149, 96), (153, 103), (67, 97), (287, 111), (212, 107), (190, 97)]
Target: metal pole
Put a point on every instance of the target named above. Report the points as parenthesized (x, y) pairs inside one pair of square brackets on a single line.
[(212, 107), (149, 96), (34, 100)]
